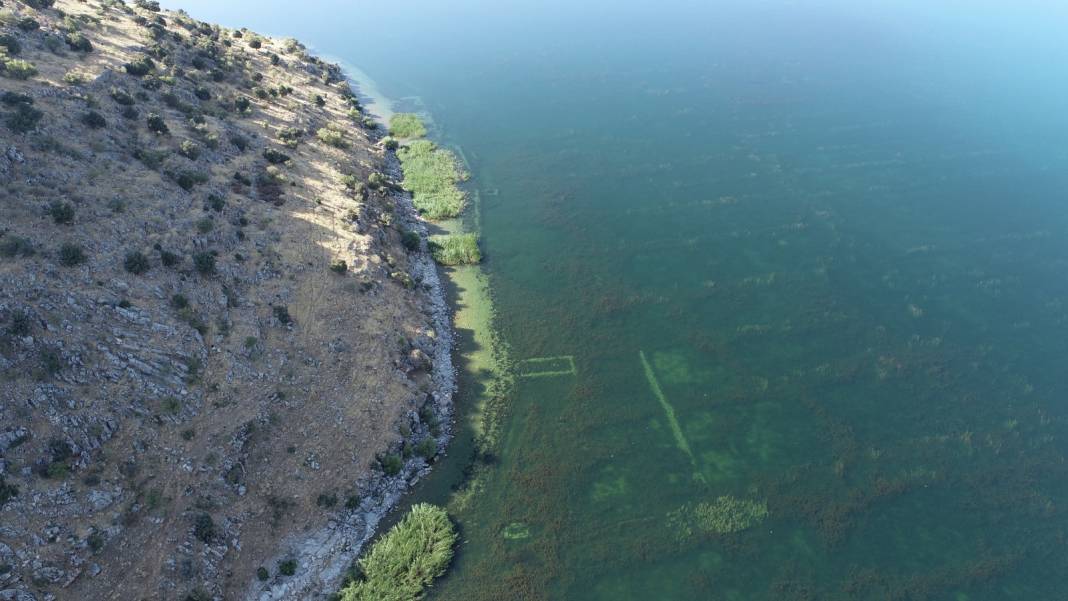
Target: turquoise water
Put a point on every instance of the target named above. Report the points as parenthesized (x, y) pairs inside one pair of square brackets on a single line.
[(784, 283)]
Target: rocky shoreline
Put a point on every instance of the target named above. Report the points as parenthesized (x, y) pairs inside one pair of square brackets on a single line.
[(324, 557), (226, 349)]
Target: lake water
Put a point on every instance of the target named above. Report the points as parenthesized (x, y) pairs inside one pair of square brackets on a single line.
[(783, 288)]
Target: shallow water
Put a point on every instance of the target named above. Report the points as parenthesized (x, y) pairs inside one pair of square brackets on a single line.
[(782, 290)]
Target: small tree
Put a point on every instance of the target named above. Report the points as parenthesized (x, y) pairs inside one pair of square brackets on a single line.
[(157, 125), (71, 255), (62, 213), (204, 262), (136, 263), (94, 120)]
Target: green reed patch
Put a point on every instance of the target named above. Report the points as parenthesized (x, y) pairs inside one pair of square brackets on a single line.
[(455, 249), (403, 563), (431, 174), (407, 125)]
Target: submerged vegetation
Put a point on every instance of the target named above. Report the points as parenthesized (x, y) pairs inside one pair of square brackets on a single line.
[(403, 563), (407, 125), (723, 515), (432, 175), (455, 249)]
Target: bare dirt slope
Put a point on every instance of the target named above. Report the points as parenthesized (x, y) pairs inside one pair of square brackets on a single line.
[(209, 326)]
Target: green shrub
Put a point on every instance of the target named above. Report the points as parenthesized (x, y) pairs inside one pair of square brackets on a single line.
[(140, 67), (14, 246), (275, 157), (169, 259), (95, 542), (427, 448), (455, 249), (10, 43), (240, 142), (94, 120), (377, 181), (204, 262), (410, 239), (189, 150), (157, 125), (204, 528), (17, 68), (78, 42), (407, 125), (290, 136), (339, 266), (188, 179), (391, 464), (74, 78), (61, 212), (20, 325), (287, 567), (15, 99), (262, 574), (432, 175), (281, 313), (7, 492), (136, 263), (27, 24), (319, 100), (71, 255), (23, 119), (351, 182), (242, 104), (332, 137), (255, 43), (404, 562), (121, 96), (152, 159)]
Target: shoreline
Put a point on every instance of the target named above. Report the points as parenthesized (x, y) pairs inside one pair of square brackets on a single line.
[(325, 556)]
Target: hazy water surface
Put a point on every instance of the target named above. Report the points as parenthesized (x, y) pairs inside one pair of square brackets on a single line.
[(801, 257)]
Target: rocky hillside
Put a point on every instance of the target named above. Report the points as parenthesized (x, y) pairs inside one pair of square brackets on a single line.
[(219, 334)]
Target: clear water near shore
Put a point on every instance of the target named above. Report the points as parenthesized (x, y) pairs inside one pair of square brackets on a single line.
[(782, 290)]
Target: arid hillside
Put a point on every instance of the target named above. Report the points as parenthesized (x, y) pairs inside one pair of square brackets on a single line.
[(215, 333)]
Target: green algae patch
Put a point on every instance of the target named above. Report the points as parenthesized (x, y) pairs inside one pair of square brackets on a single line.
[(676, 370), (433, 176), (610, 487), (403, 563), (516, 531), (723, 515), (407, 125), (455, 249)]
